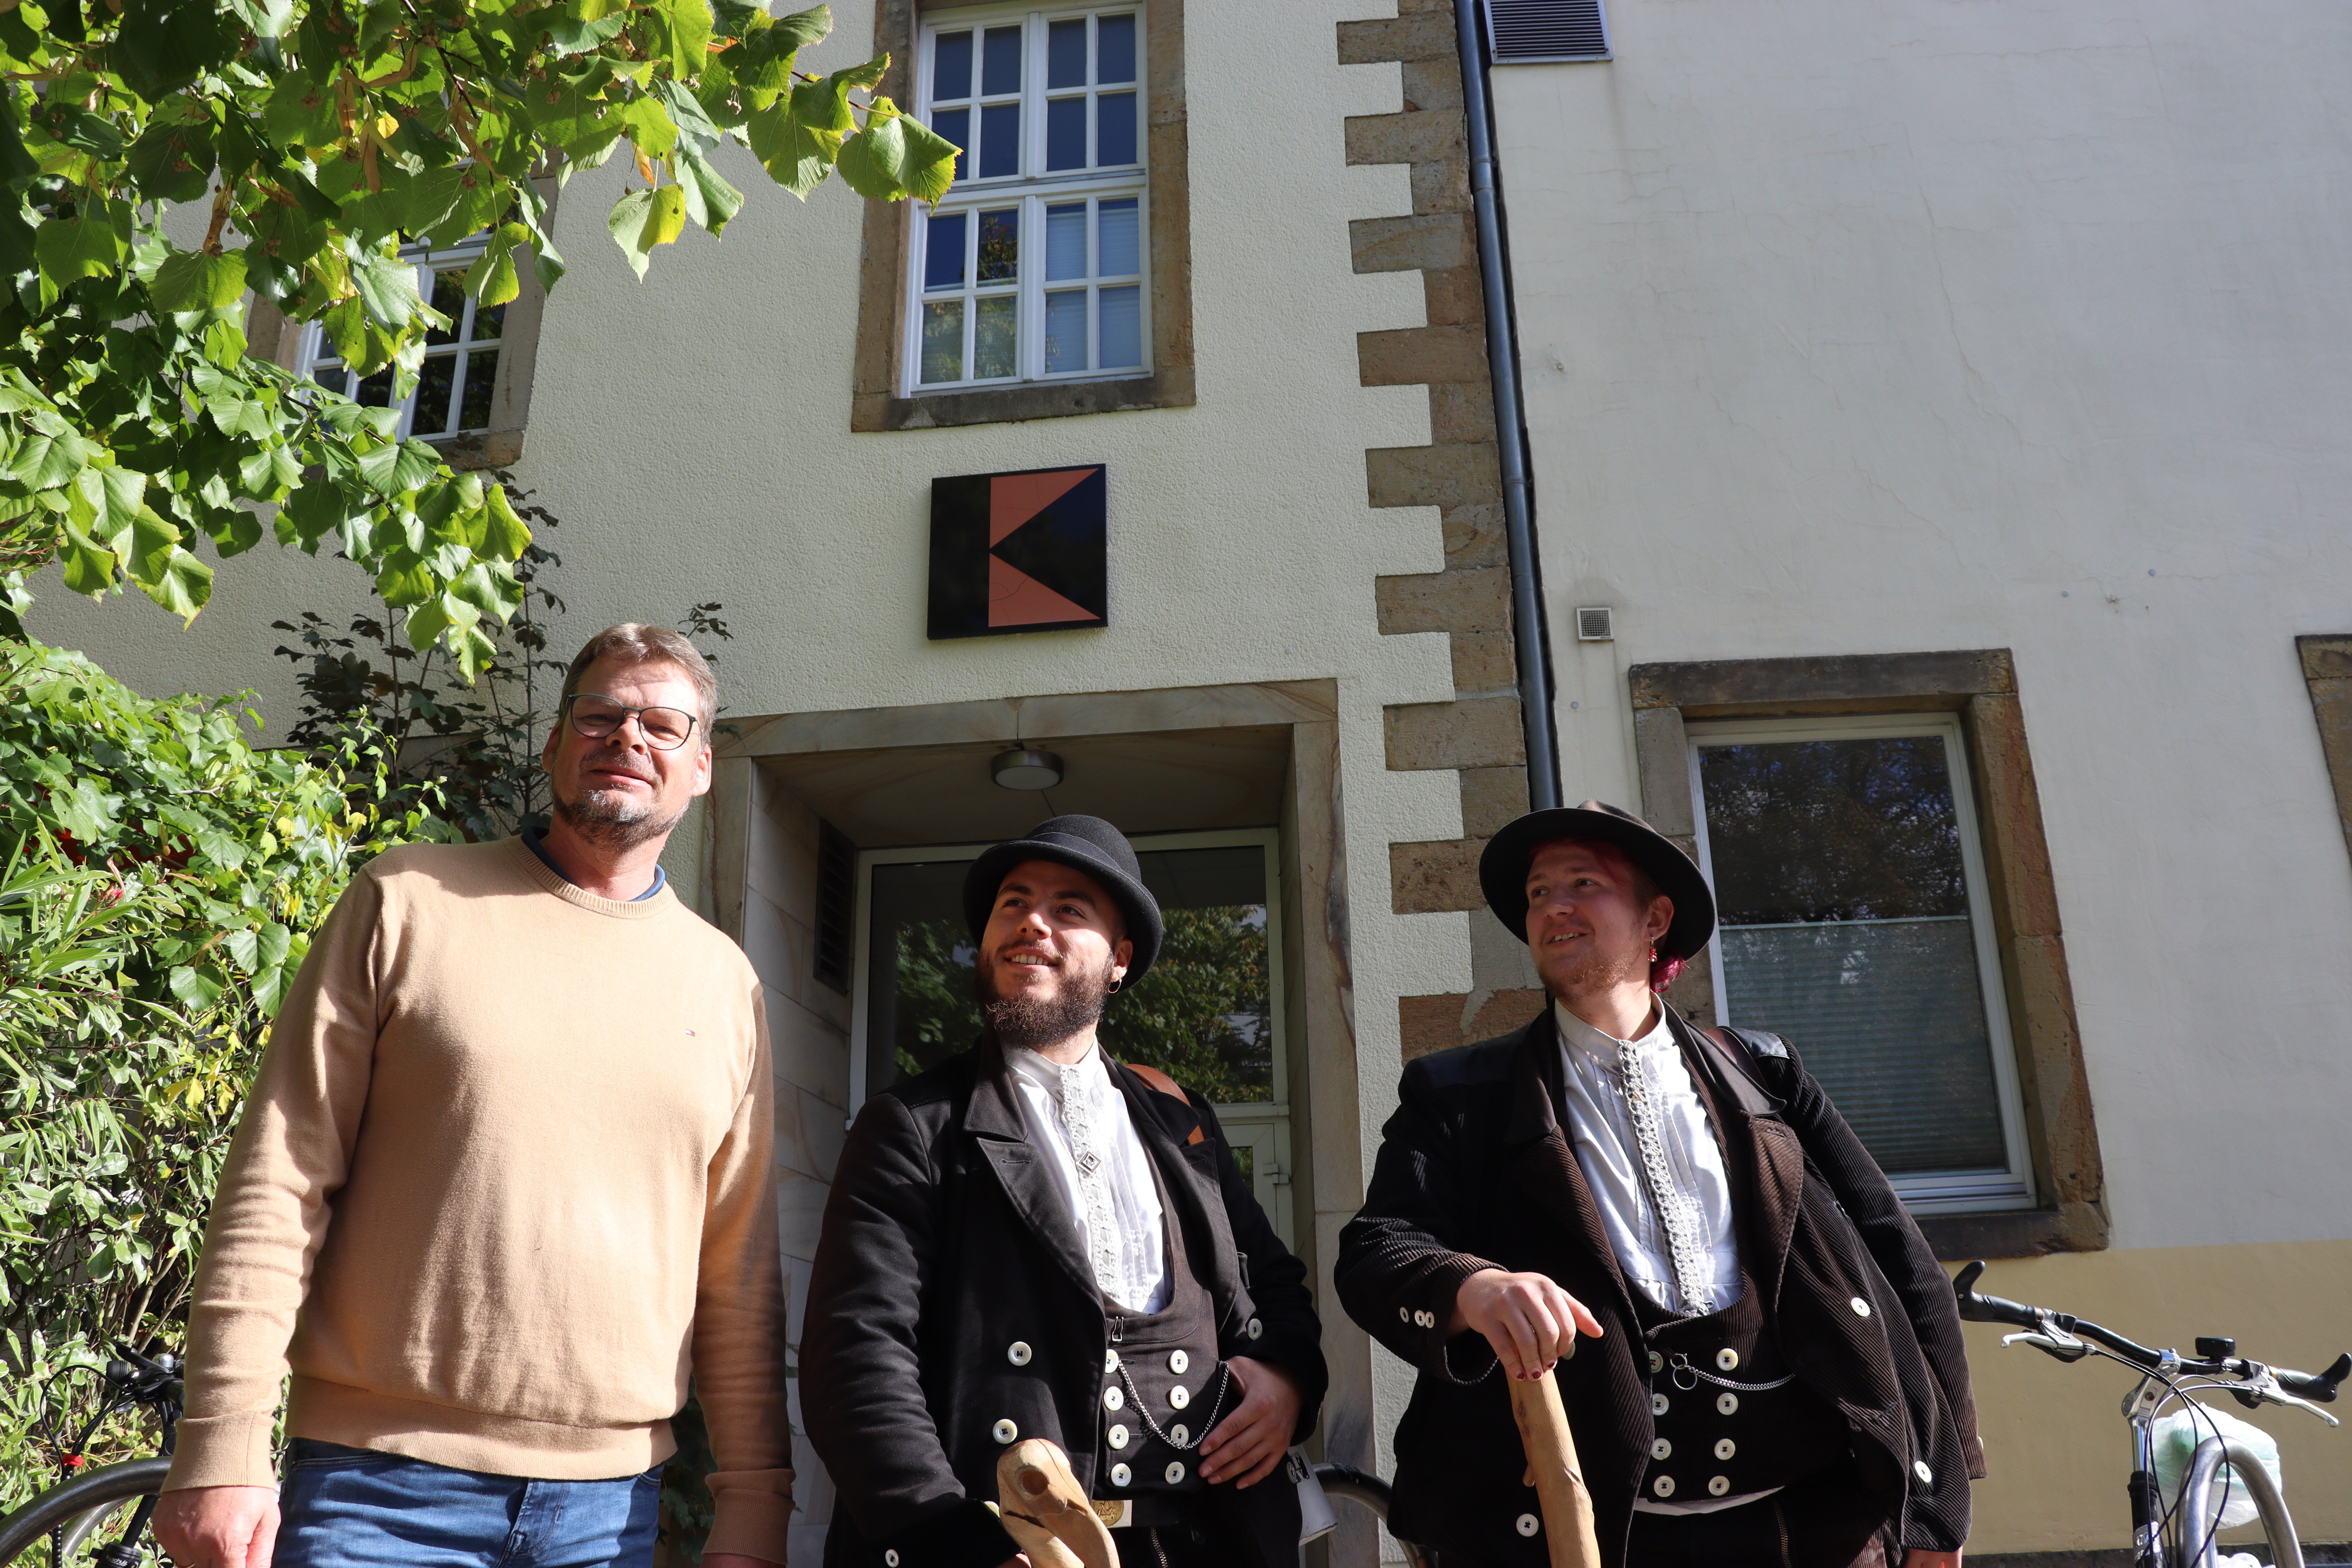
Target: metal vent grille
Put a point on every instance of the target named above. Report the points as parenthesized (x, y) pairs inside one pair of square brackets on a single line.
[(836, 905), (1524, 31), (1593, 623)]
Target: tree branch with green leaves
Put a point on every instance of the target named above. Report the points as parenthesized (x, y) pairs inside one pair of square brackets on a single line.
[(325, 137)]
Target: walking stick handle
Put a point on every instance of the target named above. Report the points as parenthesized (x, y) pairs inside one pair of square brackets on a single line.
[(1045, 1511), (1559, 1478)]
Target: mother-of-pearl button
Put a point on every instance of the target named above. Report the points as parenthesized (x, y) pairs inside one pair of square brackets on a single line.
[(1255, 1327), (1004, 1431), (1120, 1475), (1728, 1360), (1110, 1362), (1017, 1353), (1179, 1397), (1662, 1449), (1664, 1486), (1718, 1485), (1178, 1435), (1113, 1398), (1115, 1436), (1657, 1362), (1725, 1448), (1657, 1405), (1728, 1404), (1175, 1474), (1529, 1524), (1861, 1308), (1179, 1362), (1404, 1314), (891, 1557), (1919, 1468)]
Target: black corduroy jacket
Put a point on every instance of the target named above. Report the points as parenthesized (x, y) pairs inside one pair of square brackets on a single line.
[(1475, 1172), (946, 1240)]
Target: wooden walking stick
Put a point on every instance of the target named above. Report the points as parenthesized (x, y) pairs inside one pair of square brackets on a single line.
[(1047, 1514), (1559, 1478)]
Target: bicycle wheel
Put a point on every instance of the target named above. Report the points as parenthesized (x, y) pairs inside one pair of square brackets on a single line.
[(79, 1506), (1346, 1481)]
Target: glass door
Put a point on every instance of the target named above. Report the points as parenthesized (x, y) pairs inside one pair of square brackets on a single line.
[(1209, 1014)]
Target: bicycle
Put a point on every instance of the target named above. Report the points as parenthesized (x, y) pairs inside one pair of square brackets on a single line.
[(2162, 1538), (70, 1514)]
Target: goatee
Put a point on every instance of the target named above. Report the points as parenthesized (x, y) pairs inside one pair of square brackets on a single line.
[(612, 820), (1598, 971), (1030, 1023)]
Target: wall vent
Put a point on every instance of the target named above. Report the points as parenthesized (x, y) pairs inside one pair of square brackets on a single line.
[(836, 905), (1523, 32), (1593, 623)]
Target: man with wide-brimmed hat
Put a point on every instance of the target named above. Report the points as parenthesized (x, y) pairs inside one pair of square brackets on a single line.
[(1770, 1369), (1030, 1240)]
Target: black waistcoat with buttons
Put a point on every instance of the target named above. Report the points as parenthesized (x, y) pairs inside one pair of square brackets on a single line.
[(1730, 1416), (952, 1312), (1164, 1387)]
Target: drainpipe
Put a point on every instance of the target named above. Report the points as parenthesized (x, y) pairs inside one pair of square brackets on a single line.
[(1528, 637)]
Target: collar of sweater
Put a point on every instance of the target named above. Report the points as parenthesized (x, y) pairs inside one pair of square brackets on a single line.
[(545, 876)]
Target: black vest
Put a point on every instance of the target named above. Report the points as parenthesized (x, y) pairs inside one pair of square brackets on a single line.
[(1163, 1388)]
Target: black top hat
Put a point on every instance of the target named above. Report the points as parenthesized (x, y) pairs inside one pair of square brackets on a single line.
[(1502, 867), (1092, 846)]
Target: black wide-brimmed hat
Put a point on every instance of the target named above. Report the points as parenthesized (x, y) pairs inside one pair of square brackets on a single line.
[(1503, 868), (1088, 844)]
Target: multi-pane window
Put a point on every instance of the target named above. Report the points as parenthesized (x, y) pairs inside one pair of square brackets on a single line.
[(459, 377), (1032, 268), (1850, 886)]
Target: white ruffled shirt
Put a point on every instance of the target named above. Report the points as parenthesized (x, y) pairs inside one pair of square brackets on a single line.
[(1632, 1106), (1632, 1109), (1077, 1115)]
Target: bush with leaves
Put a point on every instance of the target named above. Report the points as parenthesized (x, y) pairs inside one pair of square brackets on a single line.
[(325, 134), (160, 879)]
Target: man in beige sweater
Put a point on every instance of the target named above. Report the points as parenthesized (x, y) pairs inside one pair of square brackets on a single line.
[(503, 1184)]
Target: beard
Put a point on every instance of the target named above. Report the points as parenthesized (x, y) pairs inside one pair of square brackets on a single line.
[(1599, 971), (613, 819), (1030, 1023)]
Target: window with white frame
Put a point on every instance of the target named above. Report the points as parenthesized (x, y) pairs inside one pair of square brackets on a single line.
[(458, 381), (1850, 881), (1031, 266)]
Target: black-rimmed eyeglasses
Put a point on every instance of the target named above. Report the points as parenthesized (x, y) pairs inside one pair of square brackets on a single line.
[(593, 718)]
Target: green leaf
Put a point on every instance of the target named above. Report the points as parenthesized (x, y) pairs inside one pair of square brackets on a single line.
[(396, 471), (873, 161), (802, 28), (182, 585), (404, 580), (795, 155), (173, 162), (868, 75), (506, 536), (643, 219), (710, 201), (107, 504), (686, 114), (647, 125), (927, 168), (85, 811), (89, 244), (387, 286), (196, 987), (191, 280), (825, 105), (681, 34), (491, 280)]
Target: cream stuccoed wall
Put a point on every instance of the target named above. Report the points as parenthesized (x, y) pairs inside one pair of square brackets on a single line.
[(1852, 326), (692, 433)]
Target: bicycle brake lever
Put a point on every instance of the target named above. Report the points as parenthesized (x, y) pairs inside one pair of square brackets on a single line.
[(2262, 1388)]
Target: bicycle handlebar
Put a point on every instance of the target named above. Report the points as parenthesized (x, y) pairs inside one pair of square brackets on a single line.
[(1978, 1308)]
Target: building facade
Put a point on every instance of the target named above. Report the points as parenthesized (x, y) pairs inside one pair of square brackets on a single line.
[(1931, 411)]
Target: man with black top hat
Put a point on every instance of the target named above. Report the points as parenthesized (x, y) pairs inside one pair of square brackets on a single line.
[(1030, 1240), (1772, 1370)]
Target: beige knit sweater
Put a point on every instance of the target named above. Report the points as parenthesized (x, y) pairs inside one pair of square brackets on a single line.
[(504, 1182)]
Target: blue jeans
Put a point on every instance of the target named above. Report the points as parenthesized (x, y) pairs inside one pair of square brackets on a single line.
[(355, 1508)]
